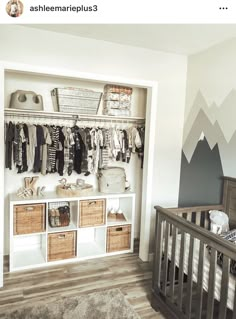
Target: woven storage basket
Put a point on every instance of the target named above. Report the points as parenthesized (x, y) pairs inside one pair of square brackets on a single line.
[(29, 219), (61, 245), (92, 212), (86, 189), (76, 100), (118, 238)]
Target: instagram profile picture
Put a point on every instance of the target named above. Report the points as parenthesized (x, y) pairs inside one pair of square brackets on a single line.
[(14, 8)]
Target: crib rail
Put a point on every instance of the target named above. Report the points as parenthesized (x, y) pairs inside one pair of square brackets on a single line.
[(198, 215), (178, 288)]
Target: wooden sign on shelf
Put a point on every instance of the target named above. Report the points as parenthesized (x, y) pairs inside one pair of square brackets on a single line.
[(30, 184)]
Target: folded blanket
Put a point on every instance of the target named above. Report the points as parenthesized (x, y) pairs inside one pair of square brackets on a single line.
[(230, 236)]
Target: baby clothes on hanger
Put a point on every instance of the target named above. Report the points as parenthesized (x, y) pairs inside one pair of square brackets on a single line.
[(79, 148), (9, 137), (19, 139), (24, 149), (38, 149), (60, 152), (32, 143), (47, 142), (50, 148), (84, 133), (68, 150), (140, 150)]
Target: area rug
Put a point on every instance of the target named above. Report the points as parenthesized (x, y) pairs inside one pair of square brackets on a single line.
[(109, 304)]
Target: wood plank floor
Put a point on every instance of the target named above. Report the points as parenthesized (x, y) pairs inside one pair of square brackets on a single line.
[(126, 272)]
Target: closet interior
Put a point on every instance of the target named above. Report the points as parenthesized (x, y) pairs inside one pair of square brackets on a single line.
[(68, 124)]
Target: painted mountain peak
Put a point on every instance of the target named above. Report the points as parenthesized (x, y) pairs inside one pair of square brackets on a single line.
[(217, 123), (223, 114), (200, 179)]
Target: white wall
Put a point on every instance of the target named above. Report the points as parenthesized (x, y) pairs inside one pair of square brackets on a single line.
[(43, 48), (211, 88), (213, 72)]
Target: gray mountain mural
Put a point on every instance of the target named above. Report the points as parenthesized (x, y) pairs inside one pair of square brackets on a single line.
[(202, 124), (221, 113), (205, 161), (217, 123), (201, 178)]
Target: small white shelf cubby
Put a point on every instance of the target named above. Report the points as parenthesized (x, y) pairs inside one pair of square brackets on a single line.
[(31, 250)]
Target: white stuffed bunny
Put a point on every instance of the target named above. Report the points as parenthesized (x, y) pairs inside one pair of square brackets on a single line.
[(219, 221)]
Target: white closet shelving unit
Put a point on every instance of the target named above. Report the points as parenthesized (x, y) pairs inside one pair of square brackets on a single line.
[(41, 79), (31, 249)]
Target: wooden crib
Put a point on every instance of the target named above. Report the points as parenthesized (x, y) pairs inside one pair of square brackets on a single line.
[(187, 281)]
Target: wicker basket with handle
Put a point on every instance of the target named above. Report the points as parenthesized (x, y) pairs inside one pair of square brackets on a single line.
[(118, 238), (61, 245), (92, 212), (29, 219)]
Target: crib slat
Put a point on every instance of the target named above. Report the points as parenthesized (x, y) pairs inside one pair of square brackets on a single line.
[(165, 266), (181, 270), (200, 279), (190, 278), (211, 285), (198, 218), (206, 220), (158, 253), (224, 288), (234, 312), (189, 217), (172, 264)]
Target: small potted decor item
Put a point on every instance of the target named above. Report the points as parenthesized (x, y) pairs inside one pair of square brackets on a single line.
[(114, 216)]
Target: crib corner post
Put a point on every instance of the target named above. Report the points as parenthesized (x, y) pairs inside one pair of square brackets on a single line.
[(157, 252)]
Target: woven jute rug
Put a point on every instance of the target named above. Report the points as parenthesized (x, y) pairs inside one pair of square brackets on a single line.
[(109, 304)]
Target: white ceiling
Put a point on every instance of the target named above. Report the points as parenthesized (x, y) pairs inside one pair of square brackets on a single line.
[(180, 39)]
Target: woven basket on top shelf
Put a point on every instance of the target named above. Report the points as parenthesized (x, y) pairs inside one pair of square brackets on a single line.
[(76, 100)]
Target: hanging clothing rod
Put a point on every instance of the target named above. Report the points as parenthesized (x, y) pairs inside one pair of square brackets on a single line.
[(71, 116)]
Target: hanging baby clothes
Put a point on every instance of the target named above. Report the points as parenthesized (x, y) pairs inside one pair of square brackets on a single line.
[(19, 139), (68, 150), (9, 129), (104, 154), (54, 133), (24, 149), (84, 143), (50, 148), (140, 150), (90, 150), (127, 155), (78, 149), (60, 153), (31, 146), (115, 144), (47, 142), (38, 149)]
